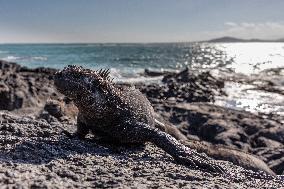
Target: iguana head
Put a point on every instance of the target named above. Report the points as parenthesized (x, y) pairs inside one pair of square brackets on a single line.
[(77, 83)]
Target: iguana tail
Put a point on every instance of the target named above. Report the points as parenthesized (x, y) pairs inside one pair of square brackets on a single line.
[(183, 154), (187, 156)]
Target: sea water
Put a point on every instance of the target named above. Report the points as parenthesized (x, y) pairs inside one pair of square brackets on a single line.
[(128, 62)]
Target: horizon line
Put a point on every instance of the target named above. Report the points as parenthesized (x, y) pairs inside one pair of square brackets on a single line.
[(31, 43), (154, 42)]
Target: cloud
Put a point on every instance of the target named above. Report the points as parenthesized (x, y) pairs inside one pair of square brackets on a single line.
[(263, 30), (232, 24)]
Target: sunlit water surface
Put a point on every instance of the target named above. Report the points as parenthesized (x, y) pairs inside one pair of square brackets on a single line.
[(252, 59)]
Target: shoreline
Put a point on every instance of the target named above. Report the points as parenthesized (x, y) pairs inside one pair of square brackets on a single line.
[(36, 113)]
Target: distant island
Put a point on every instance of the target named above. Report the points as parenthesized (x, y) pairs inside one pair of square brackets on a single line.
[(235, 40)]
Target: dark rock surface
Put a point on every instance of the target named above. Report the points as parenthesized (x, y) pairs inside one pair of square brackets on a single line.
[(21, 87), (185, 86), (36, 154), (226, 153), (152, 73), (239, 130)]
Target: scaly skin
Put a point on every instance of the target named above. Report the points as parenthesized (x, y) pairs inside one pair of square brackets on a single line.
[(121, 115)]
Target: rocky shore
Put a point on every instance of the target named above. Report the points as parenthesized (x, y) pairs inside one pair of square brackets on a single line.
[(35, 152)]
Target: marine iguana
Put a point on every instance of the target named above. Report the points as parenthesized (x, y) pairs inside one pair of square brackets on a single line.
[(124, 115), (121, 114)]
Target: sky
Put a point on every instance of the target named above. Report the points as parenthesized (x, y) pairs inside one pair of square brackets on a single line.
[(69, 21)]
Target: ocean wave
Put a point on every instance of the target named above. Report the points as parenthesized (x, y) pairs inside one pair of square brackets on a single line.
[(142, 79), (18, 58), (4, 52), (42, 58), (130, 75), (11, 58)]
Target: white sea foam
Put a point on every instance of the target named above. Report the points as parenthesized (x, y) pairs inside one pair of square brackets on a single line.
[(143, 79), (11, 58), (128, 75), (18, 58), (41, 58)]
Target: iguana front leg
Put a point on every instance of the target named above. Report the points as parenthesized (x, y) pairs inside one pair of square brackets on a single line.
[(82, 129)]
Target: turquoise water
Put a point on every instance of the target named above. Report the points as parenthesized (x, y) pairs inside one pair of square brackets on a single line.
[(128, 61), (123, 57)]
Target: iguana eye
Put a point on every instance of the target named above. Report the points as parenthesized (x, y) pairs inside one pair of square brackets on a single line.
[(95, 84)]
